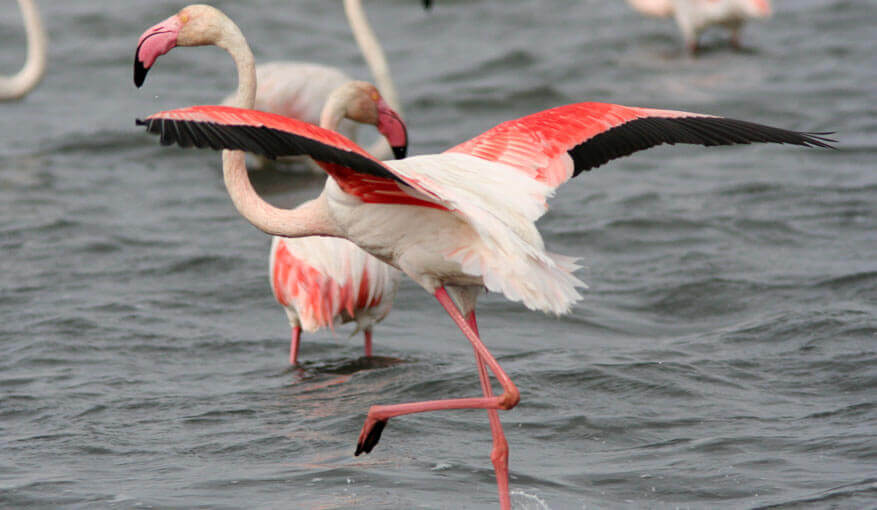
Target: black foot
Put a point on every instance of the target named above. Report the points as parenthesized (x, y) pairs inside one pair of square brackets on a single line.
[(374, 435)]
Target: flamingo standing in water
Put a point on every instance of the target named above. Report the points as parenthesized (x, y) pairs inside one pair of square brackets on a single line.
[(300, 89), (456, 222), (318, 280), (323, 280), (695, 16), (21, 83)]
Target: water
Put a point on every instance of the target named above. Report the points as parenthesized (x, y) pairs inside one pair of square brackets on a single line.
[(724, 356)]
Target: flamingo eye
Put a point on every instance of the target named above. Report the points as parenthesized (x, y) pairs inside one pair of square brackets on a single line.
[(375, 96), (184, 18)]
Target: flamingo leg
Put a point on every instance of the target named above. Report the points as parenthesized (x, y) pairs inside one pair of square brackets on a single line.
[(500, 453), (379, 415), (293, 345), (735, 38), (692, 47), (367, 333)]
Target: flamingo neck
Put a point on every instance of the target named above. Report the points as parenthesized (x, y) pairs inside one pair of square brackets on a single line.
[(335, 109), (26, 79), (372, 52), (309, 219), (233, 41)]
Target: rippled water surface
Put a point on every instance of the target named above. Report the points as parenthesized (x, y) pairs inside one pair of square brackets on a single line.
[(725, 355)]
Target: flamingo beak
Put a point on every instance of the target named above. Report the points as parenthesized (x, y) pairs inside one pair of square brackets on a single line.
[(154, 43), (390, 125)]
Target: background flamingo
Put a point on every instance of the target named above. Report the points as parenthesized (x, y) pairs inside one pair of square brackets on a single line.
[(300, 89), (323, 280), (26, 79), (455, 222), (695, 16), (318, 281)]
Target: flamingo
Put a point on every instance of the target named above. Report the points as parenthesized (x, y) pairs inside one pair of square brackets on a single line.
[(323, 280), (694, 16), (300, 89), (456, 222), (319, 280), (27, 78)]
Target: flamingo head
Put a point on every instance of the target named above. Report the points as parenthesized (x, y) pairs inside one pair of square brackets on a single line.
[(360, 101), (194, 25), (758, 8), (390, 125)]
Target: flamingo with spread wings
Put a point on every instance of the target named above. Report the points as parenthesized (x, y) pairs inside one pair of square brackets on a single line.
[(695, 16), (22, 82), (455, 222)]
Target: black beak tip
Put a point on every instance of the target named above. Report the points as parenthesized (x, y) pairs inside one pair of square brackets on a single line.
[(139, 72), (400, 152), (427, 4)]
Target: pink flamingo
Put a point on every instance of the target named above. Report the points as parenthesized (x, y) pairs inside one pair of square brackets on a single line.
[(300, 89), (455, 222), (26, 79), (319, 281), (695, 16), (323, 280)]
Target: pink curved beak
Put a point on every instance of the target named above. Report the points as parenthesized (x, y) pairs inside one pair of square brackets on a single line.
[(390, 125), (156, 41)]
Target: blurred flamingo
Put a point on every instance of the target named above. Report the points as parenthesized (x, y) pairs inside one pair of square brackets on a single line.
[(456, 222), (300, 89), (694, 16), (21, 83), (320, 281)]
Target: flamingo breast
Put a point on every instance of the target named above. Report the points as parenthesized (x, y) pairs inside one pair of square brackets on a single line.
[(485, 236)]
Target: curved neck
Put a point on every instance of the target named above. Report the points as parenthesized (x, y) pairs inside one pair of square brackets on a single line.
[(310, 218), (232, 40), (16, 86), (334, 110), (372, 52)]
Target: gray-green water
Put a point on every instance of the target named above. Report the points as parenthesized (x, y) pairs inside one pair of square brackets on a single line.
[(725, 355)]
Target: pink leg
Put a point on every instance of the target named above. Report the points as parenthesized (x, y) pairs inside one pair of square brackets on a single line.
[(500, 454), (379, 415), (368, 342), (692, 48), (293, 345), (735, 39)]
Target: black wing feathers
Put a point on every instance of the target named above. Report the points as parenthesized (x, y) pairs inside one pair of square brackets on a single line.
[(268, 142), (646, 132)]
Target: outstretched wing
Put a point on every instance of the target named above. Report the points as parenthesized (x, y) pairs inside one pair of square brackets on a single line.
[(273, 136), (557, 144)]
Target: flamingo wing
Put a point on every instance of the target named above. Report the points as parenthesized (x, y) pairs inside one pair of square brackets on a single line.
[(555, 145), (271, 135)]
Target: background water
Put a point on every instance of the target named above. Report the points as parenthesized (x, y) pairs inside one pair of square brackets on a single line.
[(724, 356)]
